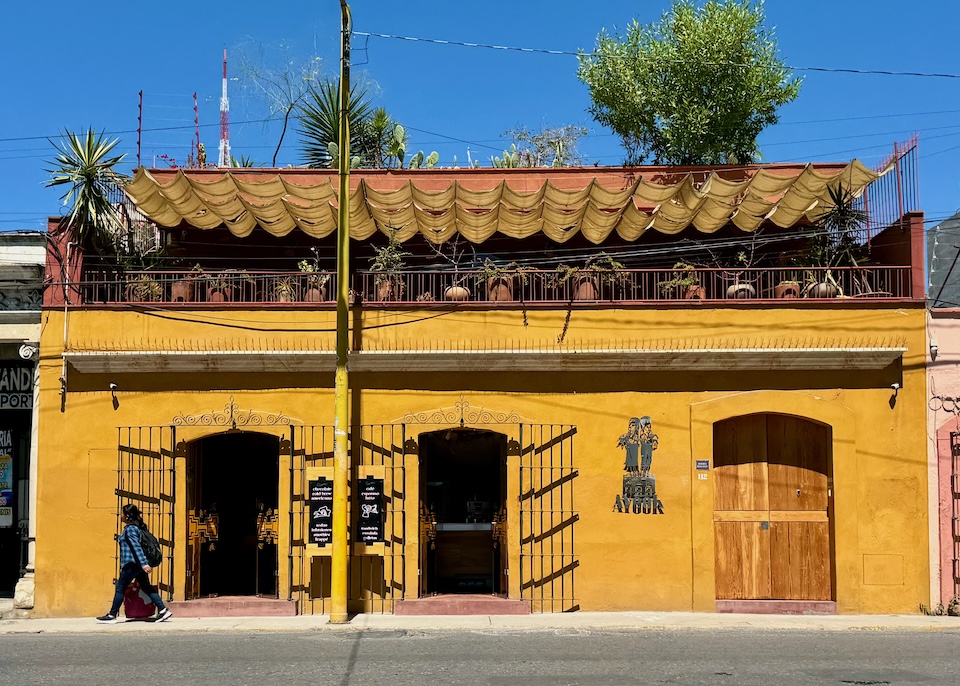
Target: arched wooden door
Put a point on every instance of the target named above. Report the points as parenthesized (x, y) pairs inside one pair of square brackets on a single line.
[(772, 505)]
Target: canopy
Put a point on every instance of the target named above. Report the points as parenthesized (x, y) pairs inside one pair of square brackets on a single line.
[(479, 203)]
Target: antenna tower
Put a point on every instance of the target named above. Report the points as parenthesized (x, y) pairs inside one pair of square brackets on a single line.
[(224, 157)]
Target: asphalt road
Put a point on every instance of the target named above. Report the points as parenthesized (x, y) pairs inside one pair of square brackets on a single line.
[(498, 658)]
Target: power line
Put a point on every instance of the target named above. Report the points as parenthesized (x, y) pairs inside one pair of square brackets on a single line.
[(829, 70)]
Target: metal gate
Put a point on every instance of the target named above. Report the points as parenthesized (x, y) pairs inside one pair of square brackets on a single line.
[(146, 477), (955, 500), (547, 517), (377, 572)]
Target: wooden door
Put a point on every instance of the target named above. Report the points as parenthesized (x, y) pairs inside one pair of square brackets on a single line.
[(771, 508)]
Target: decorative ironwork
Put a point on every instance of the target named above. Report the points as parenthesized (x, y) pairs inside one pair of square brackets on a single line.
[(203, 527), (268, 526), (234, 417), (500, 527), (428, 527), (463, 413), (29, 300)]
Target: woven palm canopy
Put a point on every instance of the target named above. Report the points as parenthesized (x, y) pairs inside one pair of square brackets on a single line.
[(479, 203)]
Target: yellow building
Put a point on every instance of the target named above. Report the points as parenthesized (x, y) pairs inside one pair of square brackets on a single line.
[(627, 434)]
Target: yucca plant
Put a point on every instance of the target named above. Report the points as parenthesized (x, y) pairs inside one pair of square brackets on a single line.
[(319, 117), (84, 163)]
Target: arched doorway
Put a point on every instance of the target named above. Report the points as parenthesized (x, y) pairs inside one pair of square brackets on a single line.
[(232, 498), (463, 487), (772, 509)]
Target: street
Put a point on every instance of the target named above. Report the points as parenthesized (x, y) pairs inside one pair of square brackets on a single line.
[(497, 657)]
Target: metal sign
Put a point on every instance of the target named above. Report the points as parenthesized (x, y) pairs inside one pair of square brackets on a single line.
[(370, 525), (321, 512), (703, 464)]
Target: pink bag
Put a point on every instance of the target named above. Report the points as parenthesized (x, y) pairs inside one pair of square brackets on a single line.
[(136, 603)]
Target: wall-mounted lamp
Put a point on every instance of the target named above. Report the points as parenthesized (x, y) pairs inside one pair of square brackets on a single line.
[(934, 348), (896, 389), (113, 394)]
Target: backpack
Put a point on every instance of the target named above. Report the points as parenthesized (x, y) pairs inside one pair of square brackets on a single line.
[(150, 546)]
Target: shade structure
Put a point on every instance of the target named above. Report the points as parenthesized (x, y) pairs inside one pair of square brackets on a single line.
[(477, 204)]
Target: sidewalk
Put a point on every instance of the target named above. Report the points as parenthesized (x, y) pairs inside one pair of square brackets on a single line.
[(578, 621)]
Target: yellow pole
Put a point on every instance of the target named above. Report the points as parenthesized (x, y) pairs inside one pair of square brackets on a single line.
[(341, 455)]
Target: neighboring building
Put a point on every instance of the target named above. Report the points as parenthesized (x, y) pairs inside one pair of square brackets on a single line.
[(22, 256), (642, 436), (943, 428)]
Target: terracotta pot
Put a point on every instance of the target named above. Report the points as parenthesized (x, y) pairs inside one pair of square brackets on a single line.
[(787, 289), (315, 295), (182, 291), (456, 294), (695, 293), (219, 295), (387, 291), (586, 288), (500, 289), (741, 291)]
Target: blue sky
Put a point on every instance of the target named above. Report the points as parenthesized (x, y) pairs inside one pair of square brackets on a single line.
[(75, 65)]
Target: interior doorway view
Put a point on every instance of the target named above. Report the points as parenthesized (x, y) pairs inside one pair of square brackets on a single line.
[(232, 498), (463, 490), (773, 509)]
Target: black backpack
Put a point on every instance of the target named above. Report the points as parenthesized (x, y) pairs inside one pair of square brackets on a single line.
[(150, 546)]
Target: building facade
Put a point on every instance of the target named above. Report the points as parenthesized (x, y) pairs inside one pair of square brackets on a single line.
[(603, 439)]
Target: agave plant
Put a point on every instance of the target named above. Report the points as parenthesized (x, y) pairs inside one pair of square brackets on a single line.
[(319, 117), (83, 162)]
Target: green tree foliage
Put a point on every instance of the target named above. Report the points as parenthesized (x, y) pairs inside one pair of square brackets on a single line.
[(548, 147), (376, 140), (84, 164), (696, 88)]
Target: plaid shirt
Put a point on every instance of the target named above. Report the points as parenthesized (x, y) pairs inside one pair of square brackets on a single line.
[(130, 550)]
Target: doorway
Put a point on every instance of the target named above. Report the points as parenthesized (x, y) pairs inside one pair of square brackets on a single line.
[(463, 475), (232, 499), (773, 509)]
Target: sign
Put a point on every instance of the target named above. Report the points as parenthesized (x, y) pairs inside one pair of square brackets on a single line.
[(703, 464), (16, 388), (6, 491), (371, 510), (321, 512)]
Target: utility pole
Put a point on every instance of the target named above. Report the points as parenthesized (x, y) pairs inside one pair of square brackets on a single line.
[(341, 456)]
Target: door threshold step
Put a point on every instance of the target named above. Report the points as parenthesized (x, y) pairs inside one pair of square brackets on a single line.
[(778, 607), (233, 606), (462, 604)]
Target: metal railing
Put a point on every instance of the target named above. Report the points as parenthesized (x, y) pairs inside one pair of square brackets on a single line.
[(500, 288)]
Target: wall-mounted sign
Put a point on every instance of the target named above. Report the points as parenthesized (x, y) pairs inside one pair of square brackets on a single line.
[(370, 521), (321, 512), (6, 490), (16, 388), (639, 493), (703, 464)]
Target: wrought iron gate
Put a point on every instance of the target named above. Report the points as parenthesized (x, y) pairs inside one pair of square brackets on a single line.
[(955, 500), (146, 477), (378, 574), (547, 517)]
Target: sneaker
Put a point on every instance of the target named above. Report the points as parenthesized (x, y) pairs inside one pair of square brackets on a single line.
[(107, 619), (163, 615)]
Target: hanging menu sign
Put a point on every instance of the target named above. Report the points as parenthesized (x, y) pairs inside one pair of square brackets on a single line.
[(371, 510), (6, 479), (321, 512)]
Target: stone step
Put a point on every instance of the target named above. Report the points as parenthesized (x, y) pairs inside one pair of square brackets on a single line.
[(462, 604), (233, 606)]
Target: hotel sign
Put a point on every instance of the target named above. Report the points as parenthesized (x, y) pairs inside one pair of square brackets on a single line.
[(16, 388)]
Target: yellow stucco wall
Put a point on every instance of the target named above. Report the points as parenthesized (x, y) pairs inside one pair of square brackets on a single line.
[(637, 562)]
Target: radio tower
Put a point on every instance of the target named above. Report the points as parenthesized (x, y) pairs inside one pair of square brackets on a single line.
[(224, 158)]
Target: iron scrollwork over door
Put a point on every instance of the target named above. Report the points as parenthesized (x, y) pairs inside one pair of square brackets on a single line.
[(547, 517), (146, 477)]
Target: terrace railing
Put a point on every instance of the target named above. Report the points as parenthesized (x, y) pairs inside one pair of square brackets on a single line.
[(501, 288)]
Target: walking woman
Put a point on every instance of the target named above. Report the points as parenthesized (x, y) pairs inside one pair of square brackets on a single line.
[(133, 565)]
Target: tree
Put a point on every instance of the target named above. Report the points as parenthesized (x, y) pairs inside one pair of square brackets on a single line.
[(282, 85), (696, 88), (548, 147), (84, 163), (376, 140)]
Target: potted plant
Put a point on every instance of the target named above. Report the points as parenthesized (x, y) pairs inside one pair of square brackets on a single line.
[(834, 244), (741, 288), (585, 281), (285, 289), (684, 283), (316, 290), (387, 263), (498, 281), (144, 288), (185, 289), (787, 289), (221, 287)]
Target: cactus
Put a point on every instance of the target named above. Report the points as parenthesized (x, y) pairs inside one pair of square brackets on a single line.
[(510, 159)]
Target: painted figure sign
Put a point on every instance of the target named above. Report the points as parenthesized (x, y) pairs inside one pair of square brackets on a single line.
[(639, 494), (6, 479)]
